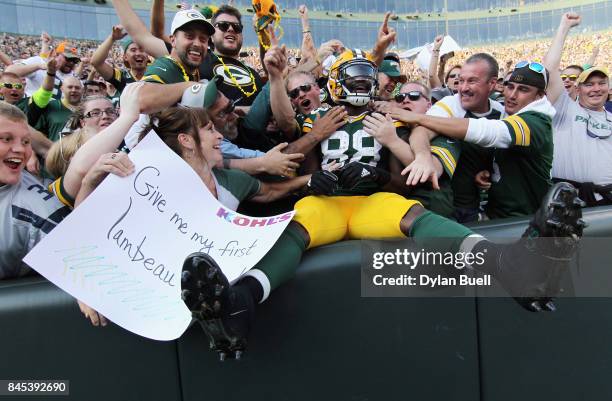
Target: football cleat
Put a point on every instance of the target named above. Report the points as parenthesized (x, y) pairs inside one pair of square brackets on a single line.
[(532, 268), (224, 312)]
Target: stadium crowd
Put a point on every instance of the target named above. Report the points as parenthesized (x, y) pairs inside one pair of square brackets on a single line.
[(331, 132)]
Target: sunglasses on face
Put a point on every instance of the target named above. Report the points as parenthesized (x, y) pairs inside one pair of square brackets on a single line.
[(9, 85), (224, 26), (535, 67), (98, 113), (570, 77), (294, 93), (453, 76), (229, 109), (412, 95)]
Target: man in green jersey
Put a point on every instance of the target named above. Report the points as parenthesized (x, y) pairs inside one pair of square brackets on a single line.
[(521, 143), (190, 33)]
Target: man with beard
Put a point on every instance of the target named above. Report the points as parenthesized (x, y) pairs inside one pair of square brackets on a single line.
[(190, 34), (477, 80), (33, 69), (389, 75), (582, 128), (134, 58), (241, 83)]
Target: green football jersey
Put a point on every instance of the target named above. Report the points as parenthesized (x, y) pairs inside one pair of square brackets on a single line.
[(349, 144), (166, 70), (522, 173), (53, 118), (440, 201), (121, 78)]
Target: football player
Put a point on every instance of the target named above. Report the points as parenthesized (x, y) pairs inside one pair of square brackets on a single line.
[(356, 203)]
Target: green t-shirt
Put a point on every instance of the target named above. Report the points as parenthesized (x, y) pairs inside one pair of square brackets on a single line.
[(53, 118), (165, 70), (522, 173), (234, 186)]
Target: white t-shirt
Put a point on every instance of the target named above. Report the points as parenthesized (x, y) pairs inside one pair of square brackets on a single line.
[(35, 79), (28, 211), (578, 155)]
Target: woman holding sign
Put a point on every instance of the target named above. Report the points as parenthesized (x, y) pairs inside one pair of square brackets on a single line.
[(191, 135)]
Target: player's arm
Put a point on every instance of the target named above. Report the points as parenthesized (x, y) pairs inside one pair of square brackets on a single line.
[(5, 59), (158, 20), (98, 59), (274, 162), (99, 145), (434, 80), (308, 49), (552, 60), (275, 61), (386, 36), (23, 70), (40, 143), (271, 191), (153, 46), (156, 97), (319, 130)]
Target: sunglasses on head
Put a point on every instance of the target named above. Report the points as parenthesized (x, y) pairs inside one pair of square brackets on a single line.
[(224, 26), (294, 93), (535, 67), (412, 95), (572, 77), (9, 85)]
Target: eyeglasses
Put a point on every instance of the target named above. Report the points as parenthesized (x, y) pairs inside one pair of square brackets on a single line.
[(224, 26), (9, 85), (294, 93), (572, 77), (229, 109), (596, 136), (412, 95), (535, 67), (95, 113)]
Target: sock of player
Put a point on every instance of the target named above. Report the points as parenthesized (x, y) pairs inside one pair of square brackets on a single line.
[(434, 232), (276, 267)]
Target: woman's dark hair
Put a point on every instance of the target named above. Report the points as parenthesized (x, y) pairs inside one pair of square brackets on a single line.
[(168, 124)]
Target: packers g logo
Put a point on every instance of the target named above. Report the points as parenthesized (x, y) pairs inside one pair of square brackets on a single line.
[(241, 75), (194, 15)]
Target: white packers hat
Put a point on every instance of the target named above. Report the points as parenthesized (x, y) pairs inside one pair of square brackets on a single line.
[(184, 17)]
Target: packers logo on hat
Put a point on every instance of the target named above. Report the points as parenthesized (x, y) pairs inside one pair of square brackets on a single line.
[(194, 15)]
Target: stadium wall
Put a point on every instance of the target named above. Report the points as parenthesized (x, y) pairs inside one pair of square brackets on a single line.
[(81, 21)]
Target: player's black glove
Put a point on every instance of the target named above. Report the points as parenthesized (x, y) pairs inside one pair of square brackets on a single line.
[(322, 182), (355, 173)]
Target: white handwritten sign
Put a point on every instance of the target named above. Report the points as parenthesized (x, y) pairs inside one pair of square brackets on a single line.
[(121, 251)]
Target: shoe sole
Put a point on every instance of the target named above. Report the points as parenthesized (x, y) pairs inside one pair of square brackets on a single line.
[(563, 216), (204, 292)]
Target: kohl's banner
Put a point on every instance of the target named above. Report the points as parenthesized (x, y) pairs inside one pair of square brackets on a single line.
[(121, 251)]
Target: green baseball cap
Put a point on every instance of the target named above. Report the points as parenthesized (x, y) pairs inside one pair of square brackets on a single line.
[(391, 68), (201, 94)]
